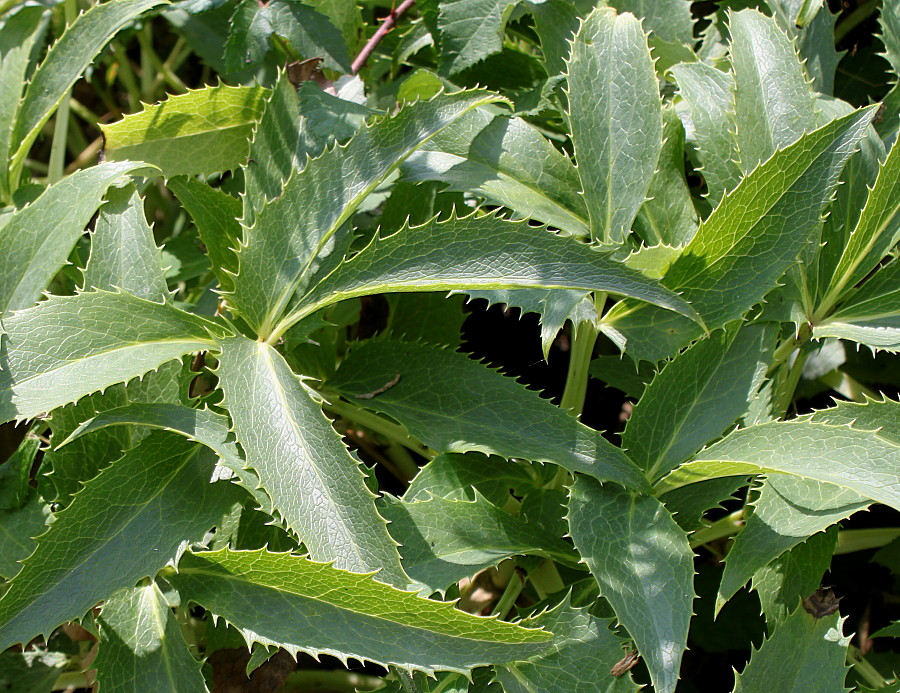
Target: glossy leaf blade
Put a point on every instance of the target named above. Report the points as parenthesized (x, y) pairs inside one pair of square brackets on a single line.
[(290, 444), (697, 396), (644, 566), (123, 253), (141, 646), (156, 496), (290, 235), (484, 252), (615, 115), (455, 404), (37, 240), (803, 654), (204, 131), (301, 605), (65, 62), (63, 348), (849, 458)]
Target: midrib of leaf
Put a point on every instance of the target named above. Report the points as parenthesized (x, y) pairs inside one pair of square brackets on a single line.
[(275, 311), (272, 377), (138, 510)]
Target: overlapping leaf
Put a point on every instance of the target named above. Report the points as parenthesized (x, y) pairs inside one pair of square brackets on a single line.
[(301, 605), (63, 349), (158, 495), (290, 444), (644, 566), (454, 404)]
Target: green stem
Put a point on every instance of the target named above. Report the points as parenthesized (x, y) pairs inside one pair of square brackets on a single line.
[(546, 579), (854, 19), (785, 389), (126, 74), (508, 599), (866, 671), (726, 527), (338, 680), (177, 55), (852, 389), (851, 540), (163, 71), (57, 164), (583, 340), (380, 425)]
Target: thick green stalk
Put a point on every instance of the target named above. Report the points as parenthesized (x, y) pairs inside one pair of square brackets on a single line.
[(508, 599), (726, 527), (870, 674)]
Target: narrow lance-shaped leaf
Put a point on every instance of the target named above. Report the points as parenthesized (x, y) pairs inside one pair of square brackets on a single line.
[(18, 37), (877, 231), (787, 512), (849, 458), (141, 646), (203, 131), (123, 252), (64, 349), (481, 252), (289, 234), (773, 103), (200, 425), (65, 62), (615, 115), (36, 240), (455, 404), (304, 606), (697, 396), (751, 239), (125, 524), (644, 566), (804, 653), (291, 445)]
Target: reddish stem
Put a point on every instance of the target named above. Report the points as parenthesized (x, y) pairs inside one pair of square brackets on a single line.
[(385, 27)]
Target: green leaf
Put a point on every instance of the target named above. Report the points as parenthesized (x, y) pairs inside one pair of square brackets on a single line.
[(204, 131), (482, 154), (141, 646), (290, 444), (15, 474), (872, 315), (877, 231), (623, 374), (36, 240), (158, 495), (555, 22), (584, 650), (749, 241), (794, 575), (65, 62), (615, 116), (303, 606), (668, 216), (443, 541), (709, 94), (455, 404), (63, 348), (773, 102), (469, 31), (456, 476), (878, 416), (812, 29), (554, 306), (644, 566), (216, 214), (697, 396), (803, 654), (31, 672), (19, 35), (292, 232), (787, 512), (670, 20), (123, 252), (889, 19), (861, 461), (199, 425), (689, 504), (17, 529), (481, 252)]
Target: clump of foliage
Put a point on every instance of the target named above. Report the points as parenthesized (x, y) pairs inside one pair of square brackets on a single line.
[(696, 200)]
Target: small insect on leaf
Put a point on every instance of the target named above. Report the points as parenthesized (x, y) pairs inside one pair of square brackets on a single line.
[(822, 602), (627, 662), (384, 388)]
